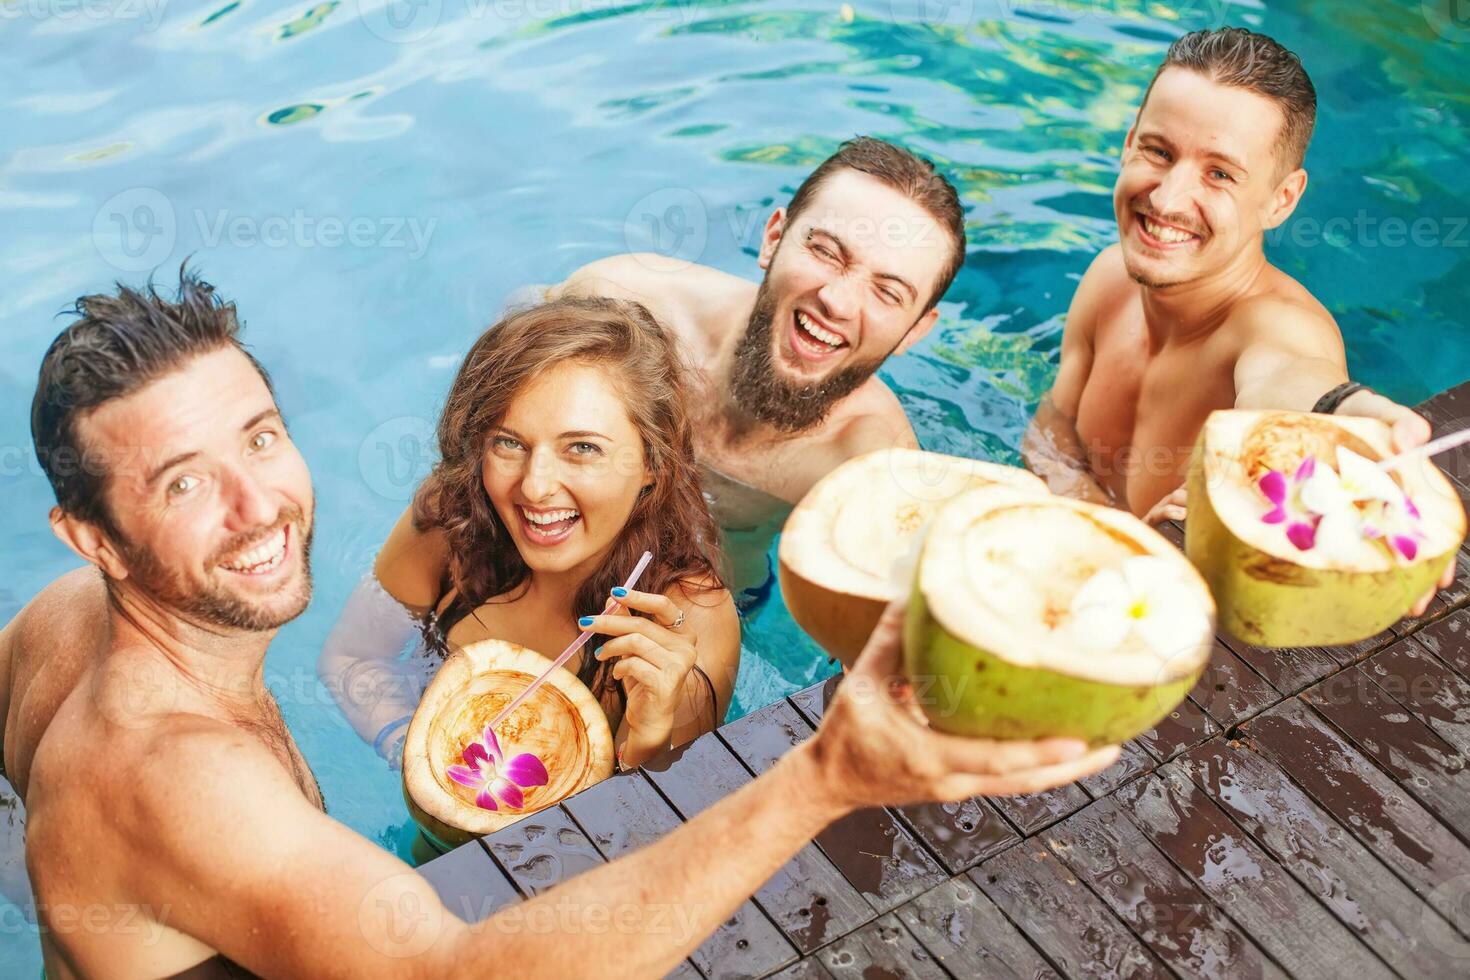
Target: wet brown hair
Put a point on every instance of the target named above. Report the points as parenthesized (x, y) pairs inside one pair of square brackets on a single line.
[(910, 175), (670, 517), (1244, 59)]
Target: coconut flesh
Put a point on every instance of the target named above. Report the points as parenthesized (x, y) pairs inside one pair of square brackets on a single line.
[(561, 723), (1013, 630), (1344, 588), (845, 549)]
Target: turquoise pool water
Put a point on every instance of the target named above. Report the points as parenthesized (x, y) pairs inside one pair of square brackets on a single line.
[(368, 182)]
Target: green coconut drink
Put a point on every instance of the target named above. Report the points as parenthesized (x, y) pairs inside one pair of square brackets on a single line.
[(1037, 616), (1303, 540)]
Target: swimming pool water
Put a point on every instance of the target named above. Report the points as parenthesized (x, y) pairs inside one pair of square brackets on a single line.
[(369, 179)]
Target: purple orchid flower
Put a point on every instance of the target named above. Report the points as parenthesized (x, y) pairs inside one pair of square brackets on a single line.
[(1301, 529), (498, 781)]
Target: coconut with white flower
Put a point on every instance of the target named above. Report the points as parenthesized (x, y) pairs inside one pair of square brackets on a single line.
[(1304, 539), (843, 550), (462, 780), (1035, 616)]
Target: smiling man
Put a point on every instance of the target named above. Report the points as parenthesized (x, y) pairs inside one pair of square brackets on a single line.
[(174, 829), (785, 384), (1185, 315)]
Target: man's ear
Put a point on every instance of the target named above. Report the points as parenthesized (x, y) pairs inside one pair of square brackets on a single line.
[(89, 542), (1286, 197), (918, 331), (771, 237), (1128, 140)]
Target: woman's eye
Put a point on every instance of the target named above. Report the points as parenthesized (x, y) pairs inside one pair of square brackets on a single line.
[(585, 448), (182, 485), (506, 442), (262, 440)]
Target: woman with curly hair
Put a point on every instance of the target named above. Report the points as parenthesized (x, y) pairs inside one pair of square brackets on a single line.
[(566, 451)]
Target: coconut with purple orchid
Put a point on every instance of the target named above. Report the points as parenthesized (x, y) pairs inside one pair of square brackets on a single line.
[(1304, 539), (1034, 615), (462, 779)]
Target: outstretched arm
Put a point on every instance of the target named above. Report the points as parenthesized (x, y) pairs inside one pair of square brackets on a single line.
[(247, 866)]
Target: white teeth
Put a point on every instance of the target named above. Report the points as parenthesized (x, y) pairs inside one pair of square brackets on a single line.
[(261, 557), (1166, 234), (549, 517), (825, 336)]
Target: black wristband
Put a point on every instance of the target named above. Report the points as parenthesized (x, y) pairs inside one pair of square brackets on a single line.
[(1328, 403)]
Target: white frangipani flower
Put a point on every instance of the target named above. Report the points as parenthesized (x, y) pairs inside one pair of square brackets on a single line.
[(1145, 596)]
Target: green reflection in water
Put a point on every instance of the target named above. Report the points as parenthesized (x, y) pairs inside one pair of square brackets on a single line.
[(309, 20)]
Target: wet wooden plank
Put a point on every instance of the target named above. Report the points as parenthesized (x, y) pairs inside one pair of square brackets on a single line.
[(622, 814), (809, 968), (1163, 907), (808, 898), (1449, 640), (1229, 690), (967, 935), (1037, 811), (469, 883), (1323, 856), (1239, 877), (812, 701), (1449, 411), (881, 950), (693, 778), (1132, 762), (1288, 671), (684, 971), (1186, 725), (542, 850), (1423, 763), (1358, 794), (1420, 681), (870, 847), (1065, 920)]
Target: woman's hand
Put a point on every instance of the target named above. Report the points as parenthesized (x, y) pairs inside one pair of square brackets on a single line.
[(653, 657)]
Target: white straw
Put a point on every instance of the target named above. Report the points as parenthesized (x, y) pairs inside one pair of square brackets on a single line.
[(1432, 448), (567, 653)]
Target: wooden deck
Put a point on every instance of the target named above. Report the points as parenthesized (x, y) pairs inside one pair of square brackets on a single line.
[(1304, 813)]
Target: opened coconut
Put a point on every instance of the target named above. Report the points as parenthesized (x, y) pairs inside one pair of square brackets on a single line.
[(1303, 539), (461, 781), (841, 544), (1037, 616)]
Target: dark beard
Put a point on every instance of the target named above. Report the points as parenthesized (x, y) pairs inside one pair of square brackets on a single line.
[(759, 390), (218, 607)]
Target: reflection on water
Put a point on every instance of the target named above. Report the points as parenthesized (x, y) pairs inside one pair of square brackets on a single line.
[(523, 138)]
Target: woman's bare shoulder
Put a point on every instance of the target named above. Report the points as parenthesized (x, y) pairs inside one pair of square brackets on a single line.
[(411, 565)]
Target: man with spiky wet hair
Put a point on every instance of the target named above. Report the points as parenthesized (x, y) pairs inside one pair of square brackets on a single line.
[(169, 810), (1185, 315), (785, 369)]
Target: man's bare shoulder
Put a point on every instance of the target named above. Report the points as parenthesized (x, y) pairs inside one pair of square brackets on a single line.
[(1284, 315), (69, 604), (651, 279), (1105, 284), (871, 418)]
